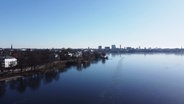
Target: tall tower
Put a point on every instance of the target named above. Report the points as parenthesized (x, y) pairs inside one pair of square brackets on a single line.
[(113, 47), (11, 46)]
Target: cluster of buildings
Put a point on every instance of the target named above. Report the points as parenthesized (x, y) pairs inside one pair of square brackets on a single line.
[(113, 48), (10, 57), (7, 61)]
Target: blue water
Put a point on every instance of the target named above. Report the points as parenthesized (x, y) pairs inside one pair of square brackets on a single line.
[(122, 79)]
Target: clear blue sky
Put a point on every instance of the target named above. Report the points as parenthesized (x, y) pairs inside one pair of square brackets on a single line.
[(83, 23)]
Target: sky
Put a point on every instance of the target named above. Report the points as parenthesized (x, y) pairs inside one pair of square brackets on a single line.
[(90, 23)]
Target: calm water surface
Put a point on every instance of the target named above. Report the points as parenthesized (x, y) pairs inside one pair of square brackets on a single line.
[(123, 79)]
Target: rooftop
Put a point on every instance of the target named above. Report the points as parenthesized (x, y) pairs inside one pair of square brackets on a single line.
[(6, 57)]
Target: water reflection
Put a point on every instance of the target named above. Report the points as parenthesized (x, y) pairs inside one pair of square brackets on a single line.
[(33, 80), (124, 79), (2, 89), (111, 94)]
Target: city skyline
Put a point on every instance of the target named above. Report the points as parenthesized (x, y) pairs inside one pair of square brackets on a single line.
[(86, 23)]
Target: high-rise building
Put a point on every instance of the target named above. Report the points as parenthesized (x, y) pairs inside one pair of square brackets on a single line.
[(113, 47), (11, 46), (100, 47)]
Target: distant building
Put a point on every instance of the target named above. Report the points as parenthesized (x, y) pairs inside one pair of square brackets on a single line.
[(23, 49), (78, 54), (70, 54), (11, 47), (113, 47), (8, 61), (129, 48), (99, 47), (107, 48)]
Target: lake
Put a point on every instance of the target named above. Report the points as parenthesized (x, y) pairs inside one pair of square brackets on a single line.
[(122, 79)]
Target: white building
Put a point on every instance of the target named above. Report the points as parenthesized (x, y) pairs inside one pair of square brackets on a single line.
[(8, 61), (78, 54)]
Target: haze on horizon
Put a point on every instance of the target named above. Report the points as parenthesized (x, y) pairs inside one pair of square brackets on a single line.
[(89, 23)]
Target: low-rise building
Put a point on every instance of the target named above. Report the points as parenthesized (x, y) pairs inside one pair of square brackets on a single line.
[(8, 61), (107, 48), (78, 54)]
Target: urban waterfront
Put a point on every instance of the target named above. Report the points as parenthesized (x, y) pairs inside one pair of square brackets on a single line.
[(122, 79)]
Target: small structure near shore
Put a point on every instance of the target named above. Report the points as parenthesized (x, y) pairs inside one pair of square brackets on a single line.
[(8, 61)]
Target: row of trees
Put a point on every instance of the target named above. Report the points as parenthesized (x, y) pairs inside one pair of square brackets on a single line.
[(32, 58)]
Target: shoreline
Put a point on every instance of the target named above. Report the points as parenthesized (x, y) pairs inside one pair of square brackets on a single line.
[(11, 74)]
